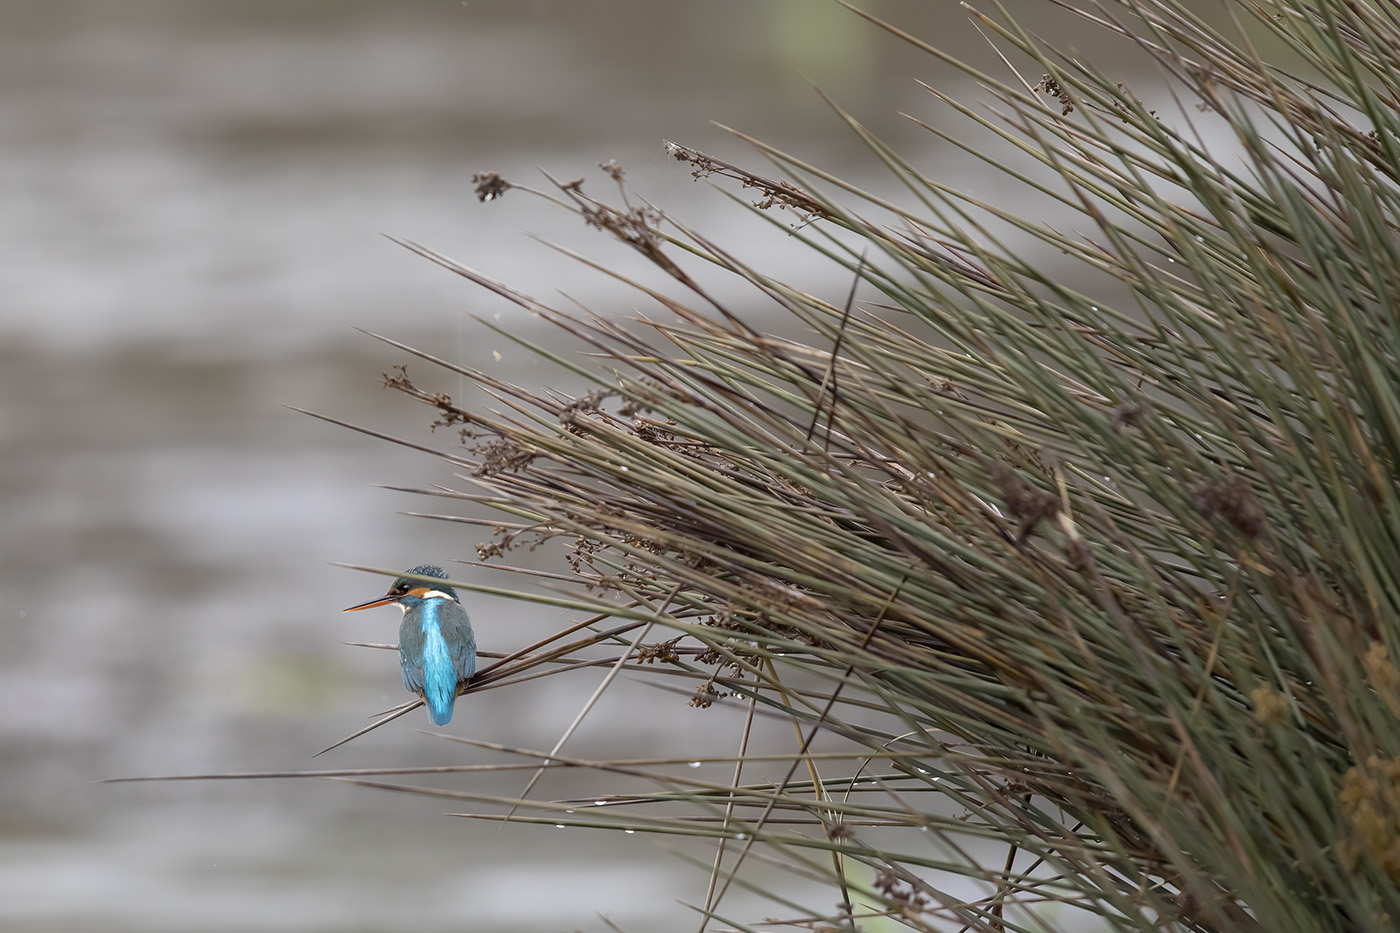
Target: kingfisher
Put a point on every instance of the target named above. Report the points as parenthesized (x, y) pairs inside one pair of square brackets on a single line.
[(437, 647)]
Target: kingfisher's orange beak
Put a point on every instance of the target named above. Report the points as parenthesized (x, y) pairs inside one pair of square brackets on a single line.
[(377, 601)]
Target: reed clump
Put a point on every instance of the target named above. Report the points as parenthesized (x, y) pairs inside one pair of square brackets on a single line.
[(1104, 574)]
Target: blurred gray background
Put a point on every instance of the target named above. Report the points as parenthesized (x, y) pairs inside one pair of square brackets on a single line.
[(193, 201)]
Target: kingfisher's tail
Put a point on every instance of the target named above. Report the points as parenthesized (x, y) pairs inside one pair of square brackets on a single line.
[(440, 712)]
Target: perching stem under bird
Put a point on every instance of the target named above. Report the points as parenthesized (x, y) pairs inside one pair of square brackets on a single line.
[(437, 647)]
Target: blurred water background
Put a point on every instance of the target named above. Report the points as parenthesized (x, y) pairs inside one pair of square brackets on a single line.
[(193, 201)]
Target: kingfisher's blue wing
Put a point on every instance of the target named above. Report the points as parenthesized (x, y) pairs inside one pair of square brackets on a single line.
[(412, 675), (411, 655), (461, 640)]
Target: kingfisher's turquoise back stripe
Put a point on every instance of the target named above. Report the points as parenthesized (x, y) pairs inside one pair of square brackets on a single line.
[(439, 673)]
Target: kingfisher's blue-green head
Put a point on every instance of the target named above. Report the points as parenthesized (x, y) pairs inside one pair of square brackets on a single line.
[(407, 593)]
